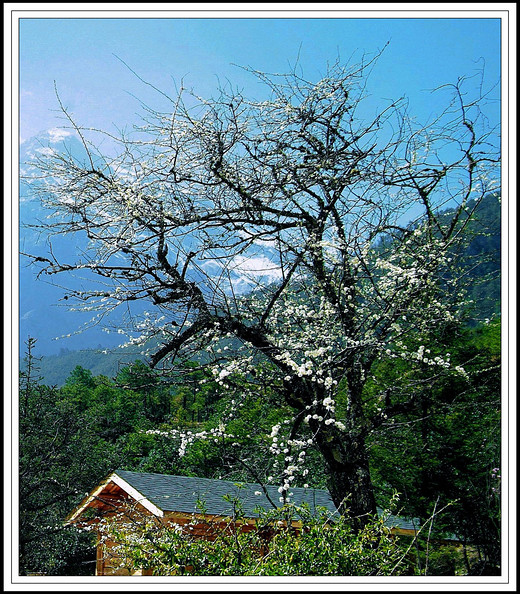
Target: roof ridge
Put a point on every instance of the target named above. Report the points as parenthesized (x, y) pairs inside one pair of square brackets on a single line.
[(231, 482)]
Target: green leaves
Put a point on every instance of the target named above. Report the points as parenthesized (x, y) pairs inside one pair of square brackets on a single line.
[(289, 541), (60, 456), (447, 443)]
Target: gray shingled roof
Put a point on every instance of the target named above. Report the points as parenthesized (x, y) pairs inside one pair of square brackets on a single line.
[(183, 493)]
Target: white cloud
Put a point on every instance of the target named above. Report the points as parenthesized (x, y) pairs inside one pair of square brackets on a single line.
[(57, 134), (45, 150), (254, 269), (245, 272)]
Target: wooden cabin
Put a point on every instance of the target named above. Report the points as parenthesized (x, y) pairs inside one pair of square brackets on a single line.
[(176, 500)]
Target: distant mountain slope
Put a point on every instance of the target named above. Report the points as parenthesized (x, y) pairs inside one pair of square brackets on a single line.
[(481, 258), (55, 369), (42, 312)]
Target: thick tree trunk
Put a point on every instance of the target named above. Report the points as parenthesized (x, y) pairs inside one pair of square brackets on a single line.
[(350, 484)]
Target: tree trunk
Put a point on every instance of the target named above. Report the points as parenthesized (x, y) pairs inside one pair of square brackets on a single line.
[(350, 484)]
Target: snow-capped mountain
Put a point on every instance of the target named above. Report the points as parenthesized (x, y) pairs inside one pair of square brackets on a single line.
[(42, 315)]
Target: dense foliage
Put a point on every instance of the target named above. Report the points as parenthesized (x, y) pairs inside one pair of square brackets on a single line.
[(70, 438), (60, 454), (288, 542), (451, 452)]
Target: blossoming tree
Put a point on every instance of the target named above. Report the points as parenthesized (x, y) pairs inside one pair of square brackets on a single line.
[(294, 240)]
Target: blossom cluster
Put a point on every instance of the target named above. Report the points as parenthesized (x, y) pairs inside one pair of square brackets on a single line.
[(186, 438)]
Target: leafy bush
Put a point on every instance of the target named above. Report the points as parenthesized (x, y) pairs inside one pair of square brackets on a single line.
[(289, 541)]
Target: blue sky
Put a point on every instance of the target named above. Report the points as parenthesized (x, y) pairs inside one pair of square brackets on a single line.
[(80, 55)]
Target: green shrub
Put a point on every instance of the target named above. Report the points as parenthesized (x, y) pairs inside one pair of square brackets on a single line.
[(289, 541)]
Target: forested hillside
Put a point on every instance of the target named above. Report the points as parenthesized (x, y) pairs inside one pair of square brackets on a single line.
[(55, 369), (479, 258)]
